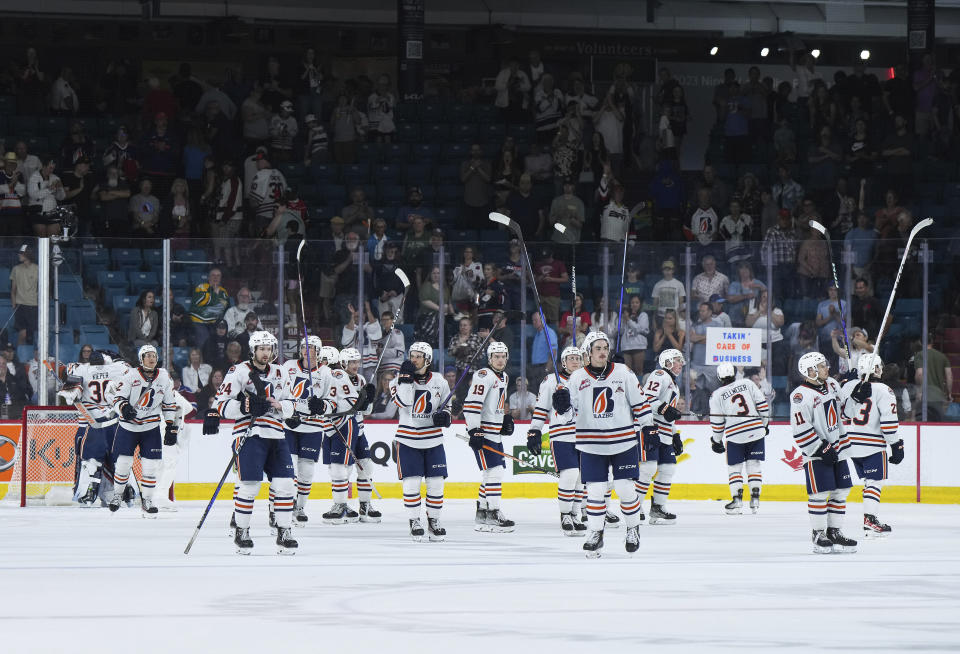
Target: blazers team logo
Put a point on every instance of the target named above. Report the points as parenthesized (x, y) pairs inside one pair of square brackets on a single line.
[(602, 401), (421, 403)]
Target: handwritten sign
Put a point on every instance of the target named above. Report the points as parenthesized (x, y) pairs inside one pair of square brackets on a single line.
[(737, 345)]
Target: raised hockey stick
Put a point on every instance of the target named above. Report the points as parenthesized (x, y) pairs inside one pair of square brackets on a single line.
[(623, 274), (836, 282), (396, 318), (473, 358), (515, 228), (552, 473), (233, 459), (926, 222), (573, 286)]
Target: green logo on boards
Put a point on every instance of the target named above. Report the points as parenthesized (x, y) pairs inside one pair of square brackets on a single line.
[(528, 462)]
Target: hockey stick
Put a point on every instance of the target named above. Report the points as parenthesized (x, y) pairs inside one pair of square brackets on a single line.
[(552, 473), (356, 459), (470, 362), (396, 318), (515, 228), (623, 274), (573, 286), (926, 222), (258, 384), (836, 282)]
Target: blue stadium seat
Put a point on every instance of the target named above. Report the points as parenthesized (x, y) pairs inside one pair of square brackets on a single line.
[(180, 283), (111, 277), (24, 126), (180, 357), (5, 281), (358, 173), (417, 174), (435, 132), (124, 303), (25, 352), (448, 173), (69, 352), (425, 152), (447, 215), (128, 256), (486, 113), (197, 277), (8, 105), (81, 314), (431, 112), (463, 133), (369, 152), (386, 174), (455, 152), (194, 256), (461, 113), (389, 194), (334, 194), (449, 194), (493, 133), (69, 292), (396, 152), (154, 259), (324, 173), (407, 111), (408, 132), (145, 281), (292, 170)]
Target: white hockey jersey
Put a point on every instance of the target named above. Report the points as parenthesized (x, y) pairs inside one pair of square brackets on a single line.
[(486, 401), (92, 392), (815, 416), (739, 411), (151, 399), (562, 426), (873, 425), (300, 391), (344, 391), (659, 390), (607, 409), (266, 191), (276, 385), (418, 402)]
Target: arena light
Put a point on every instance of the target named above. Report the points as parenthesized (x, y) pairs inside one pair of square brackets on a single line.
[(714, 50), (764, 52), (815, 53), (864, 54)]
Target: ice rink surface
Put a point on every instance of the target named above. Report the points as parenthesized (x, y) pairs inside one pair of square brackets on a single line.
[(83, 580)]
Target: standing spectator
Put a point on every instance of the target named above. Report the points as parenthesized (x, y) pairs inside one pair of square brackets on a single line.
[(721, 96), (207, 307), (679, 114), (939, 376), (160, 154), (122, 153), (925, 87), (757, 319), (709, 281), (276, 85), (256, 118), (521, 401), (218, 131), (377, 240), (757, 94), (114, 196), (45, 190), (346, 262), (828, 320), (432, 293), (12, 191), (787, 193), (318, 143), (615, 219), (236, 315), (387, 287), (467, 280), (736, 127), (506, 176), (742, 290), (196, 373), (416, 242), (228, 215), (24, 292), (736, 230), (311, 85), (63, 99), (542, 356), (698, 336), (718, 189), (668, 334), (666, 191), (807, 75), (636, 328), (463, 345), (822, 108), (548, 105), (826, 161), (78, 188), (609, 122), (567, 210), (813, 264), (666, 141), (838, 210), (380, 105), (549, 274), (358, 215), (512, 87), (566, 157), (604, 320), (475, 174), (860, 154), (524, 207), (391, 342), (539, 164), (862, 241), (13, 385), (414, 206), (283, 129), (897, 151), (267, 189), (586, 105), (779, 248), (31, 84), (144, 322), (785, 142), (748, 193), (866, 310), (145, 211), (704, 222), (668, 293), (345, 121), (491, 296), (76, 146)]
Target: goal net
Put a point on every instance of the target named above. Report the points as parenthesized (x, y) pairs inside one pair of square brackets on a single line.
[(45, 462)]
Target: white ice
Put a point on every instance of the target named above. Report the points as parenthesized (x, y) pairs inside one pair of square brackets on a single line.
[(83, 580)]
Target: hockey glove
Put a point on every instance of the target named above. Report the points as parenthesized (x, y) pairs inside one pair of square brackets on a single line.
[(850, 375), (371, 392), (476, 439), (363, 401), (717, 446), (826, 453), (211, 422), (441, 419), (677, 445), (669, 413), (127, 412), (170, 434), (407, 371), (292, 422), (561, 400), (318, 406), (254, 405), (766, 430), (862, 392), (896, 452), (651, 439), (534, 441), (507, 427)]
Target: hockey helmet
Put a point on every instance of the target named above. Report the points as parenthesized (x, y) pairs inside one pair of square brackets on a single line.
[(145, 350), (97, 359), (330, 355), (725, 371), (263, 338), (869, 364), (424, 349), (811, 361), (349, 354), (497, 347), (315, 344), (570, 351), (669, 356), (589, 340)]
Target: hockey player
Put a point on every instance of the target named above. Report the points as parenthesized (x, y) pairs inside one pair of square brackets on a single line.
[(661, 442), (739, 411), (255, 394), (418, 448), (871, 409), (173, 444), (330, 357), (86, 384), (606, 400), (819, 433), (487, 423), (142, 396), (345, 442), (563, 442), (308, 377)]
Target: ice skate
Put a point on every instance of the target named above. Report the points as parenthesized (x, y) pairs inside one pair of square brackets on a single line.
[(233, 524), (735, 506), (149, 510), (568, 526), (339, 514), (755, 500), (593, 544), (300, 518), (611, 520), (497, 522), (840, 542), (416, 530), (115, 501), (90, 497), (873, 528), (578, 524), (241, 538), (632, 542), (480, 519), (368, 513), (821, 544), (272, 521), (660, 516), (286, 545), (436, 533), (129, 496)]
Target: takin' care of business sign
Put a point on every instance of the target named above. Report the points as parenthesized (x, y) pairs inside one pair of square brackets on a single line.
[(737, 345)]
